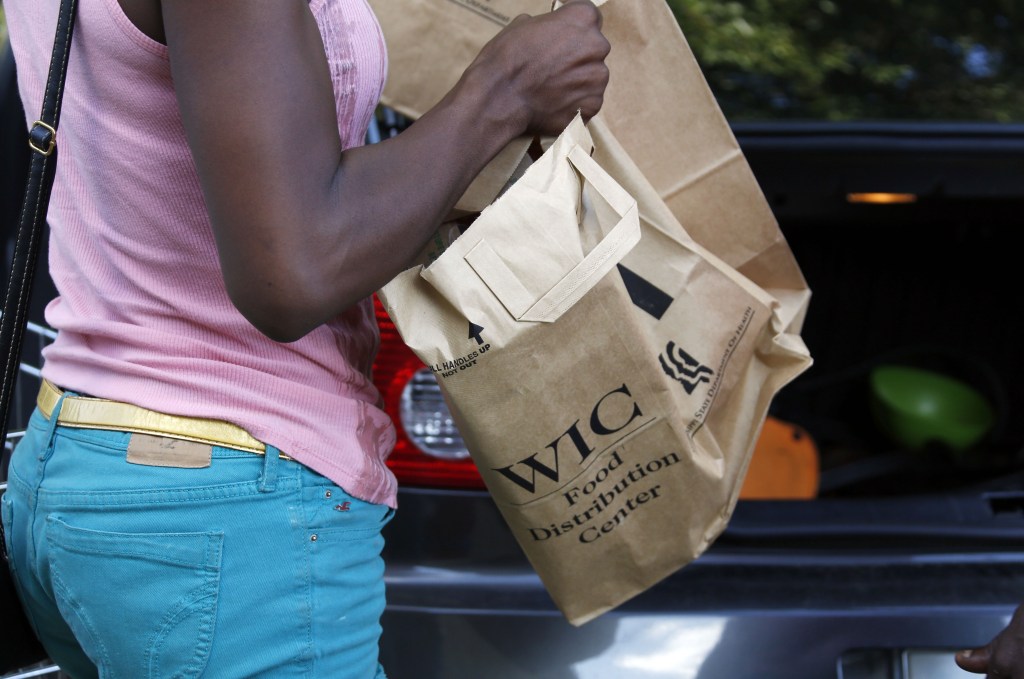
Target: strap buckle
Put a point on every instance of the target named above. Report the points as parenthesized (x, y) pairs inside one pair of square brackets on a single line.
[(42, 138)]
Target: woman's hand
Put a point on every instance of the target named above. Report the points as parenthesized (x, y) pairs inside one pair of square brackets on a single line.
[(549, 67), (1003, 656), (304, 230)]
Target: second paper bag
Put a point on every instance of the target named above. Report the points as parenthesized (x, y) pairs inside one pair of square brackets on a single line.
[(584, 425)]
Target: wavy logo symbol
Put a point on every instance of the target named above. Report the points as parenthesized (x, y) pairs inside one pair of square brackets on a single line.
[(684, 368)]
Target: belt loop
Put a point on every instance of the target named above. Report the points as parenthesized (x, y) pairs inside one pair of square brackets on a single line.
[(268, 478), (51, 428)]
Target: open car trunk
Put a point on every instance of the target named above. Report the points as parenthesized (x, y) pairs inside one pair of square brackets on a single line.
[(929, 284)]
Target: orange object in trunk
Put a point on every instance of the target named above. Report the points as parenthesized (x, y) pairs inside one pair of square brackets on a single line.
[(784, 465)]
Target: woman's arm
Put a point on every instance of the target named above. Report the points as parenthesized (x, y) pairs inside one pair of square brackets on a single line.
[(305, 230)]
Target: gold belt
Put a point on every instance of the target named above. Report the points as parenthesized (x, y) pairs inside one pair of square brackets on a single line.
[(85, 412)]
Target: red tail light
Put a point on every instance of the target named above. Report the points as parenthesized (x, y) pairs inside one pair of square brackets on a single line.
[(393, 372)]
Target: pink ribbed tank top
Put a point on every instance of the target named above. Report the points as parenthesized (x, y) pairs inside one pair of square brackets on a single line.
[(143, 315)]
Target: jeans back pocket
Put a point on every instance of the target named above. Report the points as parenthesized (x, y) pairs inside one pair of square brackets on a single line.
[(140, 604)]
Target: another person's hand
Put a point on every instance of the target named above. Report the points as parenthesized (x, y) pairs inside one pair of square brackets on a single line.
[(1003, 657), (550, 66)]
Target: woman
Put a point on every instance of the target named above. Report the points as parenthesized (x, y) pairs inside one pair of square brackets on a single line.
[(202, 489)]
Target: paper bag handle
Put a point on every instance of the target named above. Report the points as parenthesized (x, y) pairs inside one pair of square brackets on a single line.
[(507, 287)]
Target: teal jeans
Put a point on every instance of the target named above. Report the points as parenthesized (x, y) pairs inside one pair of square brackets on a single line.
[(252, 567)]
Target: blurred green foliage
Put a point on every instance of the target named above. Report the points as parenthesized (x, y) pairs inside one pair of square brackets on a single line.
[(860, 59)]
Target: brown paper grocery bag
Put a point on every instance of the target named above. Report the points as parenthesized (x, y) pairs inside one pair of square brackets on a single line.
[(609, 378), (658, 107)]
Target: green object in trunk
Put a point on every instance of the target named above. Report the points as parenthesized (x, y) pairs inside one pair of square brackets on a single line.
[(919, 407)]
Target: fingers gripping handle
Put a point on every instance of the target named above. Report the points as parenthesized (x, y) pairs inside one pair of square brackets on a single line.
[(581, 278)]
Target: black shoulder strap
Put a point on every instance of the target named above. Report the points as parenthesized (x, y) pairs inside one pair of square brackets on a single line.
[(43, 141)]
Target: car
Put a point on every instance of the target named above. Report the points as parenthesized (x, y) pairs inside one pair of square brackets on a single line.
[(890, 155), (905, 230), (901, 559)]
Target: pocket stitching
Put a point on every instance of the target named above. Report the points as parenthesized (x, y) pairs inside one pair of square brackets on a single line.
[(209, 580)]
